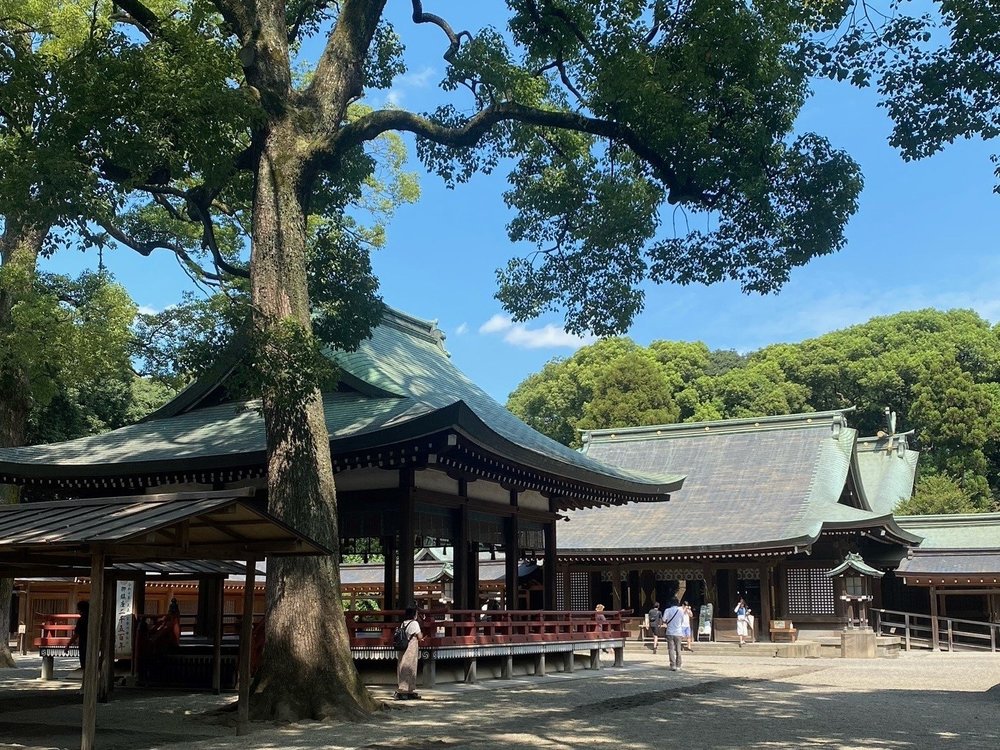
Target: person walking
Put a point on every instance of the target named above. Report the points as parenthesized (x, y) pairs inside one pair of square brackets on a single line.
[(674, 623), (655, 623), (742, 623), (406, 671)]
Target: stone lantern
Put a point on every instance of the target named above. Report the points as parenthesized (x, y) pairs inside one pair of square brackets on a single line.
[(857, 579)]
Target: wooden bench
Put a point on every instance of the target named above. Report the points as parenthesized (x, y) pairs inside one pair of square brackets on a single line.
[(783, 630)]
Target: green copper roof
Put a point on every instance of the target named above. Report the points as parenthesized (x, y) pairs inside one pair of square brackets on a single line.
[(955, 531), (768, 483), (405, 386), (888, 468), (854, 561)]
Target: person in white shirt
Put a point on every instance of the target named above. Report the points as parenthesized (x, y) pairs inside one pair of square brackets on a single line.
[(406, 672), (673, 621)]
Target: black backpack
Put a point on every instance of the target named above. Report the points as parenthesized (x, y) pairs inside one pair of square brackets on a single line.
[(399, 637)]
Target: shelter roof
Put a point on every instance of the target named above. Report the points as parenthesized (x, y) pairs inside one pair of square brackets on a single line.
[(854, 561), (399, 385), (939, 563), (888, 468), (145, 528), (765, 485)]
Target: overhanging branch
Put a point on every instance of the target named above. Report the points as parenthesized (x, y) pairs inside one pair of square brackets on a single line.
[(476, 127)]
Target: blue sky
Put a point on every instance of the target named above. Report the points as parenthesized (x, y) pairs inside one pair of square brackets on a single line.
[(925, 236)]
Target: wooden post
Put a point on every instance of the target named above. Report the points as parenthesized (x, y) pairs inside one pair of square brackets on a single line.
[(108, 640), (934, 619), (246, 633), (765, 603), (389, 572), (460, 560), (407, 531), (94, 629), (616, 588), (220, 609), (549, 567), (511, 554)]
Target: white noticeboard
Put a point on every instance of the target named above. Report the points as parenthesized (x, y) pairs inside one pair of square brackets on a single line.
[(123, 619)]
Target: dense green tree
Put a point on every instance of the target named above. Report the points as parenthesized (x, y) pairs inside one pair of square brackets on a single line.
[(935, 494)]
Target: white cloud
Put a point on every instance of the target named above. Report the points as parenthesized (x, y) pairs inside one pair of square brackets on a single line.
[(419, 80), (462, 328), (546, 337), (147, 310), (496, 324)]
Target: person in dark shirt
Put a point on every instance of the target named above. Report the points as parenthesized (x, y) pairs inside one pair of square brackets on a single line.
[(79, 637)]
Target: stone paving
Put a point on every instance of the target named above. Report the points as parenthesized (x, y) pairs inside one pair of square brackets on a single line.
[(920, 700)]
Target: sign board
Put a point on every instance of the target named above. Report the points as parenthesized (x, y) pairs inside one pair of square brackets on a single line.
[(705, 621), (123, 619)]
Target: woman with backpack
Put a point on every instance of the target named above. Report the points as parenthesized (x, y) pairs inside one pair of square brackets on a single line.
[(406, 672)]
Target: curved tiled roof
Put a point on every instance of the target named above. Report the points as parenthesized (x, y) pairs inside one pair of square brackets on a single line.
[(754, 484), (405, 386)]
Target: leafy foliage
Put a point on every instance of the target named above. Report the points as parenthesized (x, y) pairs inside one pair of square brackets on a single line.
[(934, 494)]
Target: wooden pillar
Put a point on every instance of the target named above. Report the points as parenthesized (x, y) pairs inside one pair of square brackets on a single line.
[(511, 555), (549, 567), (764, 628), (616, 587), (407, 531), (108, 639), (934, 619), (389, 572), (94, 630), (220, 610), (246, 634), (460, 562)]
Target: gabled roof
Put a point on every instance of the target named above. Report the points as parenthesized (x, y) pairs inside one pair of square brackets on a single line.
[(854, 561), (952, 567), (403, 386), (888, 468), (770, 484)]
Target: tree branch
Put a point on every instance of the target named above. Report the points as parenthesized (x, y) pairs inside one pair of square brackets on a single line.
[(146, 249), (469, 134), (235, 13), (454, 40), (142, 17)]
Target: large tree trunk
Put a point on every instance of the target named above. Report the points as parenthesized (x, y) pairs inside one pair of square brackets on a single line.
[(307, 671), (19, 247)]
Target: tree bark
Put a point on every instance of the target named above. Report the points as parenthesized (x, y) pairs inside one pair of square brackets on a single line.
[(307, 671), (19, 247)]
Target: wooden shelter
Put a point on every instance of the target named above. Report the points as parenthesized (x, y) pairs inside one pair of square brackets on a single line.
[(57, 536), (768, 507)]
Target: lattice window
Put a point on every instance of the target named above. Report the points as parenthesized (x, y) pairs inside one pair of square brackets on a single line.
[(748, 574), (579, 590), (810, 592), (682, 574)]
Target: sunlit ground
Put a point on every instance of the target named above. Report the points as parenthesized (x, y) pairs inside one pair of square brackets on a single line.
[(917, 701)]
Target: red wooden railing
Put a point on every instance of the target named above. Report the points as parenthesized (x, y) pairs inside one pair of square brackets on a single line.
[(495, 627)]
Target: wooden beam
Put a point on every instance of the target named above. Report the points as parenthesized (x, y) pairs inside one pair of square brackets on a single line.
[(246, 633), (934, 619), (549, 567), (108, 639), (407, 530), (90, 672)]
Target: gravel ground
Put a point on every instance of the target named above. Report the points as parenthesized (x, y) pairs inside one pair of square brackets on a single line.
[(920, 700)]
